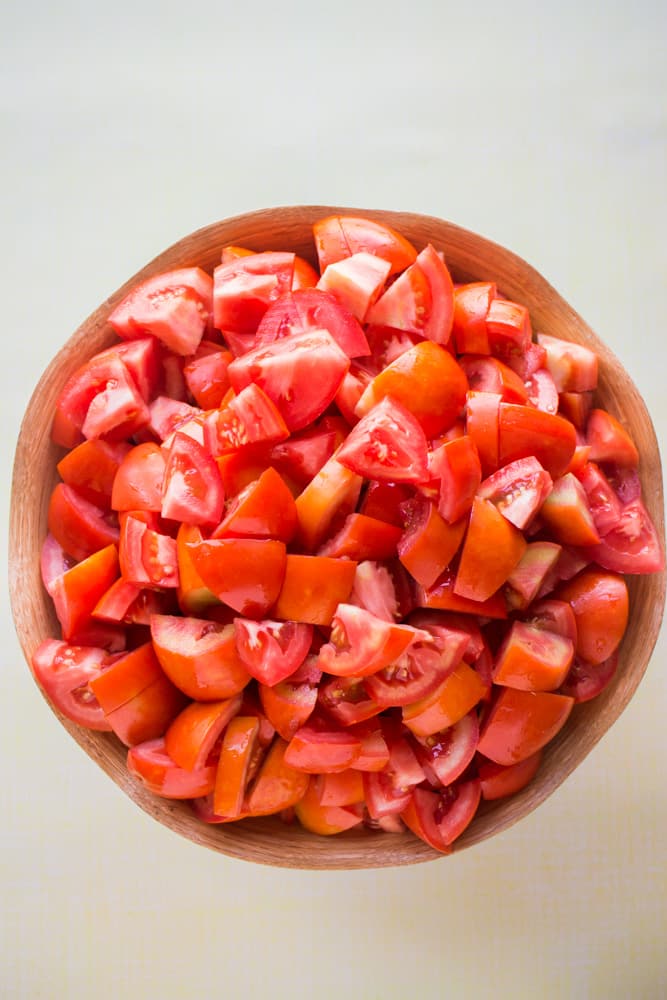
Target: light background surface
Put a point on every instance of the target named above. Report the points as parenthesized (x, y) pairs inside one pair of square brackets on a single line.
[(127, 125)]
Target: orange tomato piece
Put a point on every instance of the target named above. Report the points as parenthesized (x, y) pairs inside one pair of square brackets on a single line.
[(492, 549), (313, 587)]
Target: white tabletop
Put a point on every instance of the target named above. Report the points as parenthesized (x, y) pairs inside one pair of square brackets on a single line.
[(127, 125)]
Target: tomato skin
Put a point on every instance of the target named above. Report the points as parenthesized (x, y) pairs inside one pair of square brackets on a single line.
[(482, 420), (456, 464), (333, 492), (148, 714), (471, 307), (288, 705), (387, 444), (443, 597), (356, 281), (238, 747), (600, 604), (446, 755), (586, 680), (567, 514), (80, 527), (426, 380), (457, 694), (199, 656), (206, 375), (64, 673), (362, 537), (522, 722), (498, 781), (347, 701), (508, 327)]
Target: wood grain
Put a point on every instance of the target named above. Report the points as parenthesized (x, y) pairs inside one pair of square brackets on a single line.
[(469, 256)]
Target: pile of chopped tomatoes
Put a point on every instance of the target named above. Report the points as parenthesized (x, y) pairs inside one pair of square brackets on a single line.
[(346, 545)]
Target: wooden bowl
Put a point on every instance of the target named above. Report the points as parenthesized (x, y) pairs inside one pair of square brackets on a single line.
[(469, 257)]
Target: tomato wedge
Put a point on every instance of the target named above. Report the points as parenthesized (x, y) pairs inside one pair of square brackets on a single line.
[(340, 236), (387, 444), (64, 673)]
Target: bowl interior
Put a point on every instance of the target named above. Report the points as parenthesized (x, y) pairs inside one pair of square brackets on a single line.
[(469, 257)]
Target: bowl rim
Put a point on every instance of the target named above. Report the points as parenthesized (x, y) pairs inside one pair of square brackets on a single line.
[(241, 841)]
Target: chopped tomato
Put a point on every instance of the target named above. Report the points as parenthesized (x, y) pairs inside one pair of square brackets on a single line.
[(420, 301), (174, 307), (322, 749), (438, 818), (632, 545), (428, 543), (356, 281), (91, 468), (192, 490), (77, 591), (609, 441), (360, 644), (302, 312), (387, 444), (64, 673), (454, 697), (245, 287), (272, 651), (363, 537), (340, 236), (518, 490), (522, 722), (199, 656), (192, 735), (524, 431), (151, 764), (533, 659), (265, 508), (245, 573), (138, 484), (600, 604), (79, 526), (492, 549), (277, 786), (313, 587), (498, 781), (471, 307), (457, 466)]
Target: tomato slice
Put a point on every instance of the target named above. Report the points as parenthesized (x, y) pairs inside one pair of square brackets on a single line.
[(76, 592), (445, 755), (522, 722), (192, 735), (587, 680), (362, 537), (238, 747), (414, 675), (573, 367), (147, 557), (192, 489), (206, 375), (471, 307), (524, 431), (249, 418), (420, 301), (245, 573), (361, 644), (300, 374), (482, 417), (488, 374), (277, 786), (322, 749), (600, 604), (340, 236), (508, 327), (311, 309), (300, 458), (139, 481), (457, 466), (427, 381), (453, 698), (438, 818), (567, 514), (265, 508), (344, 788), (533, 659), (498, 781), (387, 444), (525, 582), (346, 700), (80, 527), (443, 597), (428, 543), (632, 545), (288, 705), (91, 468), (150, 763), (609, 441), (325, 820), (357, 281), (174, 307), (313, 587), (492, 549), (518, 490), (199, 656), (332, 493), (244, 288), (271, 650), (64, 672)]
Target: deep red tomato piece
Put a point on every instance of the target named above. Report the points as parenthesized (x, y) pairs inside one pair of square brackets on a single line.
[(206, 375), (245, 573), (346, 700), (587, 680), (632, 545), (438, 818), (192, 735), (199, 656), (192, 490), (444, 756), (265, 508), (522, 722), (498, 781), (471, 307), (518, 490), (80, 527), (139, 481), (524, 431), (91, 469), (387, 444), (360, 643), (76, 592)]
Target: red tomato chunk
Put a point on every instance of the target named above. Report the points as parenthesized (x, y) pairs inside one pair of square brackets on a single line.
[(343, 543)]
